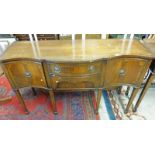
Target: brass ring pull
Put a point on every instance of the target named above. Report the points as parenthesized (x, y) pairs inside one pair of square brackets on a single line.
[(51, 75), (91, 68), (122, 72), (57, 69), (28, 74)]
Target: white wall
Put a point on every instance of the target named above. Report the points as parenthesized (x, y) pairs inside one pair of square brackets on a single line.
[(4, 43)]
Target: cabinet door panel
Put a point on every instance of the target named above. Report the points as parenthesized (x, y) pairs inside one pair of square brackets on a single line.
[(25, 73), (126, 71)]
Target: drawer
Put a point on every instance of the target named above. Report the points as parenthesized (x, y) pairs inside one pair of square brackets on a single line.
[(125, 71), (25, 74), (90, 81), (74, 69)]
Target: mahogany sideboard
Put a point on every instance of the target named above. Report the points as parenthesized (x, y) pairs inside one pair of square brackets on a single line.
[(79, 65)]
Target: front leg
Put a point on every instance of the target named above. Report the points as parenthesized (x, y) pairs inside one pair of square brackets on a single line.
[(133, 95), (53, 103), (99, 94), (21, 101)]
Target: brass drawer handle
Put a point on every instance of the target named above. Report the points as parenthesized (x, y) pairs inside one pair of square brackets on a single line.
[(91, 68), (51, 75), (57, 69), (28, 74), (122, 72)]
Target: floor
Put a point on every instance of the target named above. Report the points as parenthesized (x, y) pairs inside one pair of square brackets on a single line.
[(146, 110), (111, 106), (147, 107)]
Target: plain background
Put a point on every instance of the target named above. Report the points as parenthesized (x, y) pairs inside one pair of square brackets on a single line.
[(71, 17)]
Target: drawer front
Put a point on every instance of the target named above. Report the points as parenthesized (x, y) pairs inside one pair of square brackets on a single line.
[(74, 69), (126, 71), (90, 81), (25, 74)]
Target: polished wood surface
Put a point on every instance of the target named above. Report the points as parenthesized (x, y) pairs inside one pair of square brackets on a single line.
[(78, 50), (150, 45), (76, 65)]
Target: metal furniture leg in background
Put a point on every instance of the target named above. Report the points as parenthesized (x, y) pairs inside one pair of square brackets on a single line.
[(21, 101)]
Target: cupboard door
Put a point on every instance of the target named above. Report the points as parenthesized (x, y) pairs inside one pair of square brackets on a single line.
[(25, 74), (125, 71)]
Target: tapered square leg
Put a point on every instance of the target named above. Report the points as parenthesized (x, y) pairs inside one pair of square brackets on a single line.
[(21, 101), (133, 95), (90, 93), (53, 103), (99, 94)]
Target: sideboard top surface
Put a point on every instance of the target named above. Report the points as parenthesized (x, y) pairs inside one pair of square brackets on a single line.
[(150, 45), (76, 50)]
